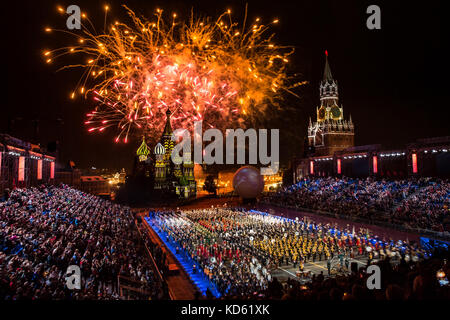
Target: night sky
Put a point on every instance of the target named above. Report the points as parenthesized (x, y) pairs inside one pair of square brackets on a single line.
[(393, 81)]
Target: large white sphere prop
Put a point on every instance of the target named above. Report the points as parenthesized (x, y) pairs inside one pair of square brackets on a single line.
[(248, 182)]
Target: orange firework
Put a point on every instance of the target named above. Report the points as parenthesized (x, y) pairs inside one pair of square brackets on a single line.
[(216, 71)]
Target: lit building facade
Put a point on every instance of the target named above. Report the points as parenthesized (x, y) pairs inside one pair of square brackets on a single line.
[(23, 164), (423, 158)]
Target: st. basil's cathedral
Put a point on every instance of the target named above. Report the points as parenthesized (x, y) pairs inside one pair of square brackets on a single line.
[(159, 169)]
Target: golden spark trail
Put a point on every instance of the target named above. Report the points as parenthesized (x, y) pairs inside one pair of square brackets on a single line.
[(212, 70)]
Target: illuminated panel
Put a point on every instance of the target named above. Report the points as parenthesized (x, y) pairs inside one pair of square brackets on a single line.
[(52, 170), (39, 169), (339, 166), (375, 164), (21, 168), (311, 167), (414, 162)]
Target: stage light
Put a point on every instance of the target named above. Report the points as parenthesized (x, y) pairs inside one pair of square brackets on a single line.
[(375, 164), (414, 162)]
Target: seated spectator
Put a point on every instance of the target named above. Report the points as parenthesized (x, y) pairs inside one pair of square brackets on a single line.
[(44, 230), (412, 203)]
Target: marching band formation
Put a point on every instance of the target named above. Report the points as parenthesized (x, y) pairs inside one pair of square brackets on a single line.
[(238, 250)]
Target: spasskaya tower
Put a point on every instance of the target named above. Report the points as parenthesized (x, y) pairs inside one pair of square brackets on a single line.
[(330, 132)]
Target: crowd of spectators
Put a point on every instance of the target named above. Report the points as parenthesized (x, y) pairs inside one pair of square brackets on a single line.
[(412, 203), (427, 208), (46, 229)]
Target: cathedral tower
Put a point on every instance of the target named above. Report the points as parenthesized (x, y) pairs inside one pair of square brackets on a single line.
[(160, 167), (166, 139), (179, 175)]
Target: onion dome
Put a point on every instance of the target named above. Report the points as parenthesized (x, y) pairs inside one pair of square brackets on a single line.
[(143, 151), (159, 149)]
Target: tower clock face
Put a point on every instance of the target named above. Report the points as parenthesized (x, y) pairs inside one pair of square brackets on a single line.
[(321, 113), (335, 112)]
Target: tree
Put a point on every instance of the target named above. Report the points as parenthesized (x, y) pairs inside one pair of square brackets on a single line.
[(210, 185)]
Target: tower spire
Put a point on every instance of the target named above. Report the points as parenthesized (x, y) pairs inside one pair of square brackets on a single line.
[(168, 127), (327, 72), (328, 86)]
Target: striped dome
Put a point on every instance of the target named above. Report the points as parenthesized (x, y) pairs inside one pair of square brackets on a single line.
[(143, 150), (159, 149)]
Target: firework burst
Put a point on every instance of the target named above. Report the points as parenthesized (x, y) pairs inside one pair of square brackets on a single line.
[(218, 71)]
